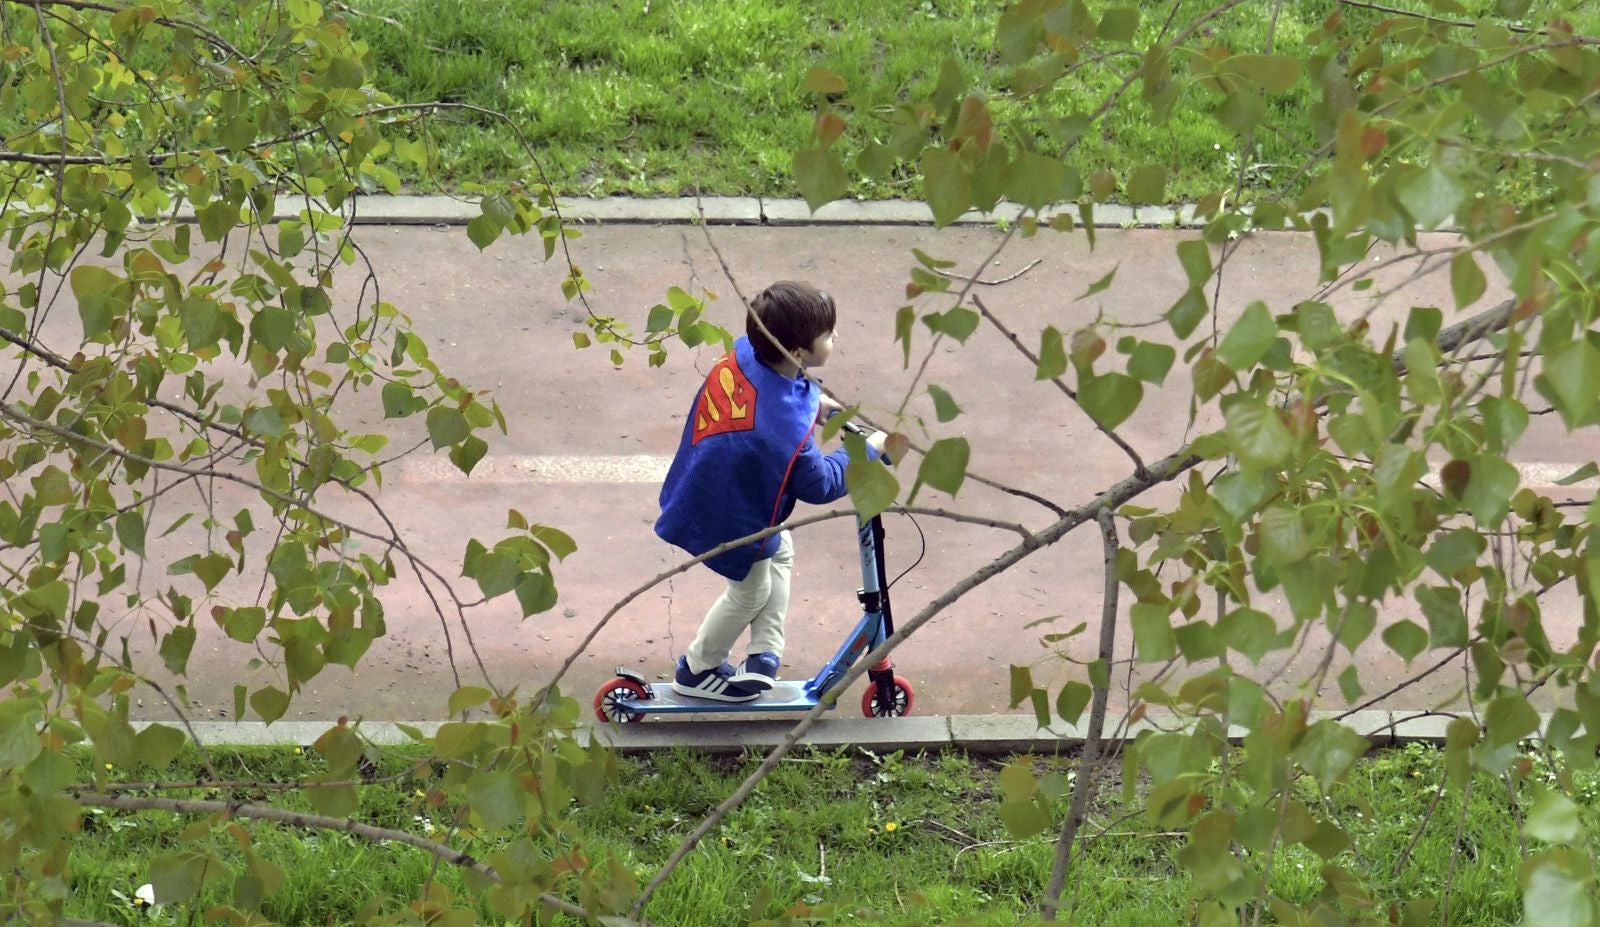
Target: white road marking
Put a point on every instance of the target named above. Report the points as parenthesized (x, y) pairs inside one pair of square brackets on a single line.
[(652, 468), (637, 468), (1539, 476)]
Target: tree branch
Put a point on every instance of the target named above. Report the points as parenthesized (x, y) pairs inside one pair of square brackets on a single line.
[(1089, 760), (1138, 463)]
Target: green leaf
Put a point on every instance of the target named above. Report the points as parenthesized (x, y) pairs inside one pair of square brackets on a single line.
[(483, 230), (820, 176), (497, 573), (212, 568), (1571, 380), (1447, 622), (945, 466), (556, 541), (273, 326), (19, 732), (1259, 437), (1148, 185), (1285, 536), (130, 531), (1455, 552), (1555, 818), (447, 426), (944, 407), (1022, 686), (1119, 24), (1467, 282), (244, 624), (872, 487), (202, 322), (1249, 338), (158, 745), (1052, 355), (945, 185), (176, 877), (1071, 701), (1186, 314), (822, 80), (1035, 180), (176, 647), (1328, 750), (1430, 195), (1406, 638), (1273, 73), (958, 323), (1101, 284), (1554, 894), (1249, 631), (1151, 361), (270, 703), (101, 295), (265, 421), (398, 400), (1110, 398), (1489, 490), (496, 798), (1024, 819), (1509, 719), (1152, 632), (217, 219), (536, 592), (468, 697), (467, 454), (1195, 256), (1242, 110), (1587, 471)]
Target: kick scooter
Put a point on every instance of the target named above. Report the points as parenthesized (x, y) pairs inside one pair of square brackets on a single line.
[(629, 697)]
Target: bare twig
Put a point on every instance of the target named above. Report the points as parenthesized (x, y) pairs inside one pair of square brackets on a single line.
[(976, 279), (1138, 463)]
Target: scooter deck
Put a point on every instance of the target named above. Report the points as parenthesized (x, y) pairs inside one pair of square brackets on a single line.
[(783, 696)]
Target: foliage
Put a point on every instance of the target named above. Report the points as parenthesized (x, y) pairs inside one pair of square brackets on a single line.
[(1317, 427), (1308, 475), (189, 198)]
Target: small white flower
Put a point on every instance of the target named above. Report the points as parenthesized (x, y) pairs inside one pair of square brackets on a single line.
[(144, 896)]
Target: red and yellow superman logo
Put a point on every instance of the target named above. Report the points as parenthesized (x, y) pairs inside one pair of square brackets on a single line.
[(727, 402)]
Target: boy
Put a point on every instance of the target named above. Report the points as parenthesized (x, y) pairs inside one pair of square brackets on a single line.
[(746, 456)]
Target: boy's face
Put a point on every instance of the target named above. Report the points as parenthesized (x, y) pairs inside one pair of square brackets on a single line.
[(817, 354)]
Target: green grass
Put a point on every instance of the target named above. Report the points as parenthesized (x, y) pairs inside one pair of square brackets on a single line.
[(909, 838), (669, 96)]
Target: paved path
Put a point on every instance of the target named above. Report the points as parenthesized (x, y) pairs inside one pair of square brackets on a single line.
[(588, 444)]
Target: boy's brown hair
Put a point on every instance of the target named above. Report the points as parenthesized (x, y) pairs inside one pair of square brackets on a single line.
[(795, 313)]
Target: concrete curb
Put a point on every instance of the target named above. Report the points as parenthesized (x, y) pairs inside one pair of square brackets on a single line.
[(983, 734), (746, 210)]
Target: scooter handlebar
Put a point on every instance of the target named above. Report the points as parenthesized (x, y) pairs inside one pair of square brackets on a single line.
[(853, 428)]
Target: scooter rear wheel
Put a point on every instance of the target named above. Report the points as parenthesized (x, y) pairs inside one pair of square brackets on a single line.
[(608, 701), (901, 699)]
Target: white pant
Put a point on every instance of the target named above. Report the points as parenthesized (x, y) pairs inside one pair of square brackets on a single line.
[(759, 602)]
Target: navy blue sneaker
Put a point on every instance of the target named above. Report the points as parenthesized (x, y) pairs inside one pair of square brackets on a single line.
[(718, 683), (759, 669)]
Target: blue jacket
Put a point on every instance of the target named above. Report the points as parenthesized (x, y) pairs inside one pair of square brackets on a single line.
[(747, 454)]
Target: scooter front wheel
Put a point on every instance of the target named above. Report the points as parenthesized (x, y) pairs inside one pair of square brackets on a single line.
[(608, 701), (901, 698)]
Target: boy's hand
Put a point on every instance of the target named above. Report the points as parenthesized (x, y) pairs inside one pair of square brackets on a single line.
[(827, 408)]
